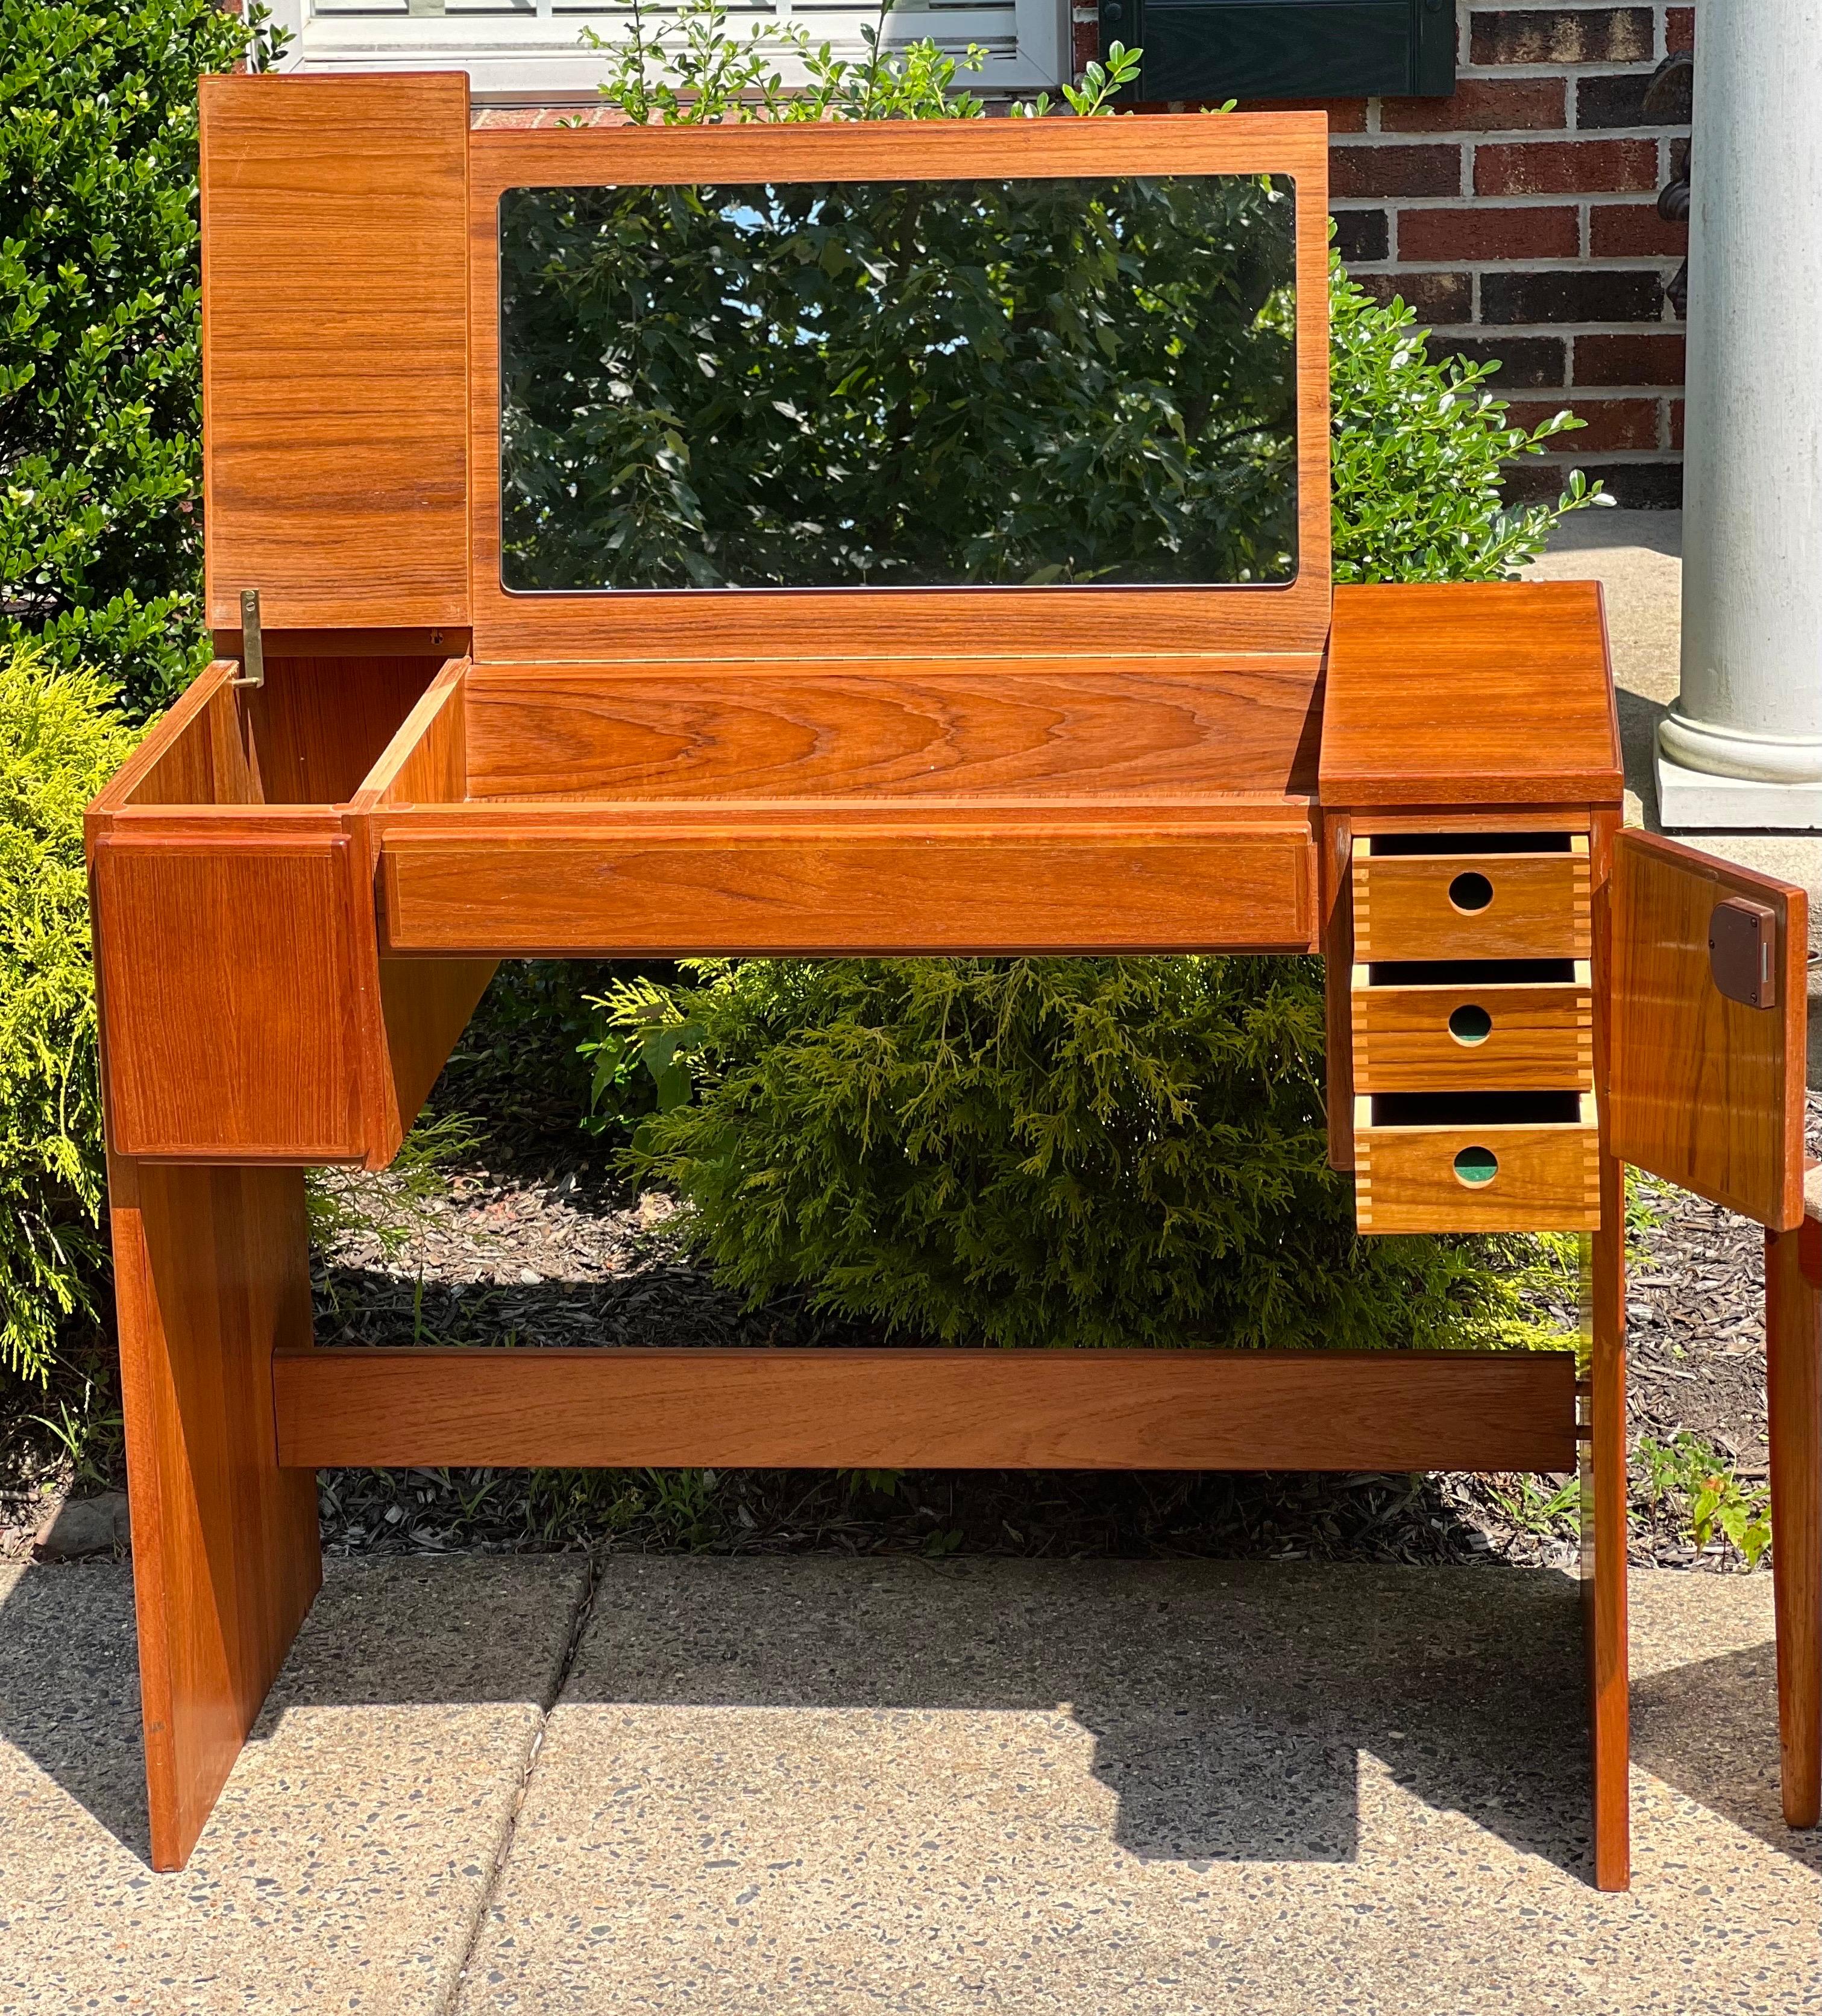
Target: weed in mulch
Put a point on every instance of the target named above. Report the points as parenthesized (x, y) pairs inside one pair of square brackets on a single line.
[(62, 1440)]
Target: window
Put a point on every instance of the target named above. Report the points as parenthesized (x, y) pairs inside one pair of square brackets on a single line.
[(530, 52)]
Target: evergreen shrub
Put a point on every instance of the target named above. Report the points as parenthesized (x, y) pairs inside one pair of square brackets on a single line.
[(1071, 1151), (1043, 1152), (60, 740), (100, 372), (1419, 451)]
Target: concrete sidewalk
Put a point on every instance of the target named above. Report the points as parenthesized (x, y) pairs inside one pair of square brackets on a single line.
[(1638, 556), (824, 1785)]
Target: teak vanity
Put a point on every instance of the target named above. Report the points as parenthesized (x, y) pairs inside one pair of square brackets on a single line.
[(444, 747)]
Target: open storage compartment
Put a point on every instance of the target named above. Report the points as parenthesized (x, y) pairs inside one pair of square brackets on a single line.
[(249, 1017), (1493, 1025), (1497, 900), (937, 806)]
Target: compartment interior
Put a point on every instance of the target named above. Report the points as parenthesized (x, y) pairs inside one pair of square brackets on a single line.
[(306, 737), (1471, 843), (1001, 731), (1476, 1109)]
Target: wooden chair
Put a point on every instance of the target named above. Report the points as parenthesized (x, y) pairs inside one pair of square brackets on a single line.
[(303, 877)]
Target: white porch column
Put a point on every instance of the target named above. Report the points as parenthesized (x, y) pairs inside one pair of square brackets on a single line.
[(1742, 746)]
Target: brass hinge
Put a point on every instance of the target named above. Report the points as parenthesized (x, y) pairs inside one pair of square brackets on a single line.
[(253, 649)]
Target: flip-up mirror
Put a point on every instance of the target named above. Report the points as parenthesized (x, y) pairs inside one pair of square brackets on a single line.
[(1046, 382)]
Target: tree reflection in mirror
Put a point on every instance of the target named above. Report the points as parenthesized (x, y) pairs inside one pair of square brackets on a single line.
[(1061, 382)]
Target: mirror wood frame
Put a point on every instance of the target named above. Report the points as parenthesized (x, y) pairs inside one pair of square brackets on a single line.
[(924, 622)]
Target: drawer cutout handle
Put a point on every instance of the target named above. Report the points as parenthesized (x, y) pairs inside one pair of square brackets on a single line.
[(1462, 1111), (1471, 892), (1470, 1024), (1476, 1166)]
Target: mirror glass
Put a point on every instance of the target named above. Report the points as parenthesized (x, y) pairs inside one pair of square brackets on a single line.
[(1059, 383)]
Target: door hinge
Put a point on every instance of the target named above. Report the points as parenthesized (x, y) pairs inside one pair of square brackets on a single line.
[(253, 647)]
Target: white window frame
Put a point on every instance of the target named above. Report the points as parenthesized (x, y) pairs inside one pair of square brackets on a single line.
[(534, 56)]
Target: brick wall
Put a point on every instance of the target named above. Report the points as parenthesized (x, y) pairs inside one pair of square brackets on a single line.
[(1518, 218)]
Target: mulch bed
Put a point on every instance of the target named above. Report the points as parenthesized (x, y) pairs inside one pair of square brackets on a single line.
[(534, 1244)]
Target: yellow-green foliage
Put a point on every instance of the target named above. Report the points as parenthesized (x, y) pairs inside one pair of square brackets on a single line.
[(1045, 1152), (60, 740)]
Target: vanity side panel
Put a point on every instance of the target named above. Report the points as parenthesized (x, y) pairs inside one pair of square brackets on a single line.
[(231, 992)]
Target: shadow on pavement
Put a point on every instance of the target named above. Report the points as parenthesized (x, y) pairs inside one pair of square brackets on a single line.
[(1229, 1703), (69, 1689), (1638, 742), (1710, 1729)]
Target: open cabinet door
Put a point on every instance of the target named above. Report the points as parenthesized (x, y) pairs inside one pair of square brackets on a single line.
[(1706, 1089), (1705, 1076)]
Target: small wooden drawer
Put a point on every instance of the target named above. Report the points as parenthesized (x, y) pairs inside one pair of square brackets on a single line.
[(1476, 1162), (1478, 1029), (1463, 904)]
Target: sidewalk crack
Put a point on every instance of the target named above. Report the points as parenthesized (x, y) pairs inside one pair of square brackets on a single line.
[(579, 1619)]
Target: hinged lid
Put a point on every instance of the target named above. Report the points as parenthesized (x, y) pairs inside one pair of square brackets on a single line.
[(335, 350), (355, 237)]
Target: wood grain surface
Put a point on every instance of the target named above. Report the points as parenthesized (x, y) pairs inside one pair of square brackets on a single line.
[(1402, 909), (1469, 693), (1606, 1517), (319, 724), (1133, 730), (173, 763), (436, 642), (425, 1003), (1547, 1180), (917, 623), (212, 1273), (334, 348), (1542, 1037), (1185, 1410), (1793, 1378), (1336, 858), (1366, 821), (1605, 1526), (426, 760), (1706, 1093), (957, 884), (231, 993)]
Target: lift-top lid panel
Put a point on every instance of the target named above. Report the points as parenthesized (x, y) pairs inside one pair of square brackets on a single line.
[(353, 402), (335, 349)]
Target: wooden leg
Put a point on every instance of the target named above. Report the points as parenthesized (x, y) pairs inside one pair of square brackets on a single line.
[(1603, 1537), (212, 1273), (1793, 1377)]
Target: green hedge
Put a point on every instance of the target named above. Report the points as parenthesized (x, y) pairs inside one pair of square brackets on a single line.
[(1043, 1152), (100, 524), (60, 740)]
